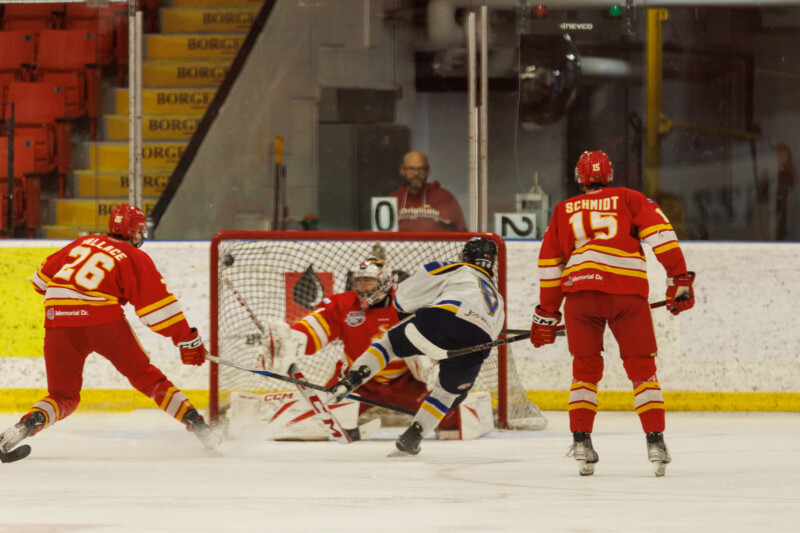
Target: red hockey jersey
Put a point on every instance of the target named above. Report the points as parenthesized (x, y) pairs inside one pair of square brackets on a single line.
[(87, 282), (340, 317), (594, 240)]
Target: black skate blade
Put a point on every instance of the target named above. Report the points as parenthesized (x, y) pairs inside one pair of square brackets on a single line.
[(16, 454)]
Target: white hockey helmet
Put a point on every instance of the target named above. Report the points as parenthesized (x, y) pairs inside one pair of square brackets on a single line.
[(373, 280)]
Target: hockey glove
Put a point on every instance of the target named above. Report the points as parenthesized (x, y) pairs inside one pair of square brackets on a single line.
[(285, 345), (192, 350), (680, 295), (544, 327), (353, 380)]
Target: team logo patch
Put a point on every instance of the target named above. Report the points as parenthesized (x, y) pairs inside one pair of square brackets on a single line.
[(51, 314), (355, 318)]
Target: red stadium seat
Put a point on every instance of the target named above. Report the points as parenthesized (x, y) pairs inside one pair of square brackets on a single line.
[(18, 55), (32, 17), (24, 157), (16, 61), (98, 20), (27, 184), (39, 109), (19, 204), (67, 57)]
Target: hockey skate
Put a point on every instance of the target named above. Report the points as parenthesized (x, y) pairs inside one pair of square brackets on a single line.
[(408, 442), (657, 452), (583, 452), (197, 425), (353, 380), (19, 431)]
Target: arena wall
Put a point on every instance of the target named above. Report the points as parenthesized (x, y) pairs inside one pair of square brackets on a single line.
[(738, 349)]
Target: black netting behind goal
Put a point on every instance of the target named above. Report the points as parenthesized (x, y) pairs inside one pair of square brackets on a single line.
[(261, 276)]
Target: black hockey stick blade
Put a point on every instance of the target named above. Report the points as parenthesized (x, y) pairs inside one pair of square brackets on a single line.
[(20, 452), (306, 384), (561, 332), (487, 345), (523, 335)]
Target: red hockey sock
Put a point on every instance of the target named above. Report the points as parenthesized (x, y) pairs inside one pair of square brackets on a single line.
[(582, 406), (649, 403)]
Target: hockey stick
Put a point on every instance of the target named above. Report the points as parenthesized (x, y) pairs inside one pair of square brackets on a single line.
[(519, 337), (20, 452), (337, 431), (306, 384), (560, 332), (226, 280), (243, 303)]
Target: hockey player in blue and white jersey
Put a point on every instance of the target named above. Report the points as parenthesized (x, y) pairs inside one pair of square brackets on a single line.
[(449, 306)]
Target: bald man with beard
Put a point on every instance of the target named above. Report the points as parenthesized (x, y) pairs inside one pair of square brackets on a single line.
[(424, 206)]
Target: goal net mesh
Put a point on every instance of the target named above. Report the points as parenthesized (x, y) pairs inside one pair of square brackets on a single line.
[(262, 276)]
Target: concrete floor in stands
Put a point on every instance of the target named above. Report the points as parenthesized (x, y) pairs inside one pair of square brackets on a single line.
[(140, 471)]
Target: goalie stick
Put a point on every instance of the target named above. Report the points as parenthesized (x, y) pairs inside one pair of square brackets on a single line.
[(519, 337), (304, 383), (336, 430), (20, 452), (243, 303)]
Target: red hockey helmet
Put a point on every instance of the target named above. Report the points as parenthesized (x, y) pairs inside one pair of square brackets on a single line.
[(594, 168), (126, 221)]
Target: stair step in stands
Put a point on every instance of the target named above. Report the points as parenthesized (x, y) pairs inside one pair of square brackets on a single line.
[(208, 19), (168, 101), (216, 3), (108, 156), (76, 216), (93, 184), (192, 46), (154, 127)]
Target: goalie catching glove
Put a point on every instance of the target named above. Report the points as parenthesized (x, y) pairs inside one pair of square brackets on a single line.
[(192, 350), (544, 328), (285, 345), (680, 295)]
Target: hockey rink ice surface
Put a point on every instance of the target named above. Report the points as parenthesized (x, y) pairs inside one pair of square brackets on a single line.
[(140, 471)]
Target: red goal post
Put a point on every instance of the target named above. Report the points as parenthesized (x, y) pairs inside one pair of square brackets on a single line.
[(259, 276)]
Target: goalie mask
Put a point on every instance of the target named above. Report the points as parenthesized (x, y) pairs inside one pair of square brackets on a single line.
[(373, 281), (594, 168), (480, 252), (128, 222)]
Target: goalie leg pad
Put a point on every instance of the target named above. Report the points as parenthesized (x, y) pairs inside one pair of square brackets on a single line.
[(284, 416), (475, 418)]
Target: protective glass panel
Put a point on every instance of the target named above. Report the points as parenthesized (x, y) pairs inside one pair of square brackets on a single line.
[(696, 107)]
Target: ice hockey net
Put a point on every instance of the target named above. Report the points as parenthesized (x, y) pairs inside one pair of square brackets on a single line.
[(271, 275)]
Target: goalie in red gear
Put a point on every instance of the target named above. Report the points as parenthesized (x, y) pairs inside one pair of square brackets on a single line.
[(85, 285), (591, 254), (358, 318)]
